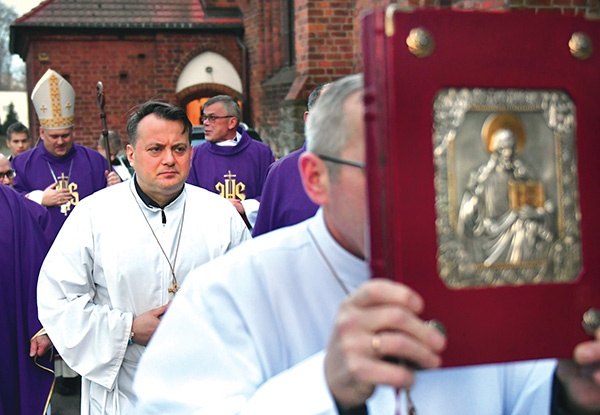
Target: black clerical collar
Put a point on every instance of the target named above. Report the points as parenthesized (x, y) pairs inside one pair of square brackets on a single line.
[(148, 200)]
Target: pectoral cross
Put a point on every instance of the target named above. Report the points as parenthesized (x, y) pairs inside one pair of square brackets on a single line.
[(174, 287)]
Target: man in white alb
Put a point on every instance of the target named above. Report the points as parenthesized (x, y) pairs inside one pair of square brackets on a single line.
[(124, 252), (290, 322)]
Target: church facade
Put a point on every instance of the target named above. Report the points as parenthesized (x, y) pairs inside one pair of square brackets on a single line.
[(268, 54)]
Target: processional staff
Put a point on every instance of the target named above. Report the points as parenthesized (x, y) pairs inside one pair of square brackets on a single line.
[(100, 101)]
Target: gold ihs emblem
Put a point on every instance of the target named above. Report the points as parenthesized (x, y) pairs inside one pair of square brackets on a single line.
[(231, 189), (63, 183)]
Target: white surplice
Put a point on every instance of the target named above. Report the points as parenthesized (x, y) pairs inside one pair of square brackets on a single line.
[(246, 336), (105, 268)]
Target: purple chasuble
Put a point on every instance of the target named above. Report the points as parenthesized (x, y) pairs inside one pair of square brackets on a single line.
[(81, 170), (25, 387), (236, 172), (284, 201), (41, 215)]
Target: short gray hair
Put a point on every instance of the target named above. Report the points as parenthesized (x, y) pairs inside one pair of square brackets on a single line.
[(231, 106), (327, 130), (114, 140)]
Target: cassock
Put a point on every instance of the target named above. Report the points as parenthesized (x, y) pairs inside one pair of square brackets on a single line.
[(81, 170), (283, 201), (41, 215), (106, 267), (233, 172), (246, 335), (25, 387)]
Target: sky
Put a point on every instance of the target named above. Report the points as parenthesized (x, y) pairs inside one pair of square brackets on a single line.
[(22, 6)]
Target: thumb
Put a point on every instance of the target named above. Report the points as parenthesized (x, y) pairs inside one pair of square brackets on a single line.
[(161, 310)]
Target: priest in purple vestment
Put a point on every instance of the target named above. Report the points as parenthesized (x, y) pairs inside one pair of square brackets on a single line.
[(58, 173), (284, 201), (230, 163), (26, 381)]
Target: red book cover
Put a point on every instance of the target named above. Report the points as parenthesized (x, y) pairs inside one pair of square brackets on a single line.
[(483, 172)]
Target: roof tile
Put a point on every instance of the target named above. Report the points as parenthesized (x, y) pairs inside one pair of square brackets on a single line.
[(122, 13)]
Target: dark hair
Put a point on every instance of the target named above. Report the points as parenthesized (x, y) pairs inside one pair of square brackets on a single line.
[(16, 127), (162, 110), (314, 96)]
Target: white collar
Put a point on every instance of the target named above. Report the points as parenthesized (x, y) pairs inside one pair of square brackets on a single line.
[(231, 143)]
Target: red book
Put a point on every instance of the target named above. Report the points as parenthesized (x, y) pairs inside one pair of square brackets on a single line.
[(484, 174)]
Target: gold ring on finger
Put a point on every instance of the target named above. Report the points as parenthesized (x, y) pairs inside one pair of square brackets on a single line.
[(376, 344)]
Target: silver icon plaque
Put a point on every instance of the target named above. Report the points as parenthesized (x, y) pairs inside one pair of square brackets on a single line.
[(507, 201)]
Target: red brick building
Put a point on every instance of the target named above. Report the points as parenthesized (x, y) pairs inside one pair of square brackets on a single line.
[(269, 54)]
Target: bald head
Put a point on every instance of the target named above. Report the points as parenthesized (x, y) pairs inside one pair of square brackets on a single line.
[(6, 172)]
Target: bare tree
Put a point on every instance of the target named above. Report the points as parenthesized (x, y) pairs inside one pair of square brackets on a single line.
[(11, 76)]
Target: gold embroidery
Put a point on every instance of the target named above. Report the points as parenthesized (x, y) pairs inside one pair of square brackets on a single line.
[(63, 183), (57, 119), (231, 189), (56, 122), (55, 96)]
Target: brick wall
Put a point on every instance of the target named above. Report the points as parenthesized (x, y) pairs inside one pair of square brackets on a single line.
[(324, 35), (133, 69), (327, 46), (220, 3)]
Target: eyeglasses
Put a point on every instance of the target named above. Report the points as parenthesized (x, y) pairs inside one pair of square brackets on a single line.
[(212, 118), (9, 174), (341, 161)]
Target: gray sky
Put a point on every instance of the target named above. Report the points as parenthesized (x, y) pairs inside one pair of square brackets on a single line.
[(22, 6)]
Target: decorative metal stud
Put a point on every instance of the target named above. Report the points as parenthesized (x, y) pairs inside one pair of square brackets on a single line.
[(420, 42), (591, 321), (580, 45)]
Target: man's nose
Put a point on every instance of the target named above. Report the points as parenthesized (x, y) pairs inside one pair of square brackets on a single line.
[(169, 157)]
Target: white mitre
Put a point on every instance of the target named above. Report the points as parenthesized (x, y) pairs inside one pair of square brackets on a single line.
[(54, 101)]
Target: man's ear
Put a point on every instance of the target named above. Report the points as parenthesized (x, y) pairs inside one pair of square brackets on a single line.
[(130, 155), (233, 123), (315, 178)]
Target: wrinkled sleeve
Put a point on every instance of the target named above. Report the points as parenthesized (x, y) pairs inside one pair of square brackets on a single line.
[(206, 358), (251, 208), (528, 386), (91, 338), (239, 230)]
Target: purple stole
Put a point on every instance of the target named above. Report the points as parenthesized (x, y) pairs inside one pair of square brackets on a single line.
[(284, 201), (233, 172), (25, 387), (81, 171)]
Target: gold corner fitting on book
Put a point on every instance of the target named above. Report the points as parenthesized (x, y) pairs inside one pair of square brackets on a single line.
[(389, 19)]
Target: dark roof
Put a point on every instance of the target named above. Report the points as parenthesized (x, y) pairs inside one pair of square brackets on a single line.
[(126, 13), (122, 15)]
